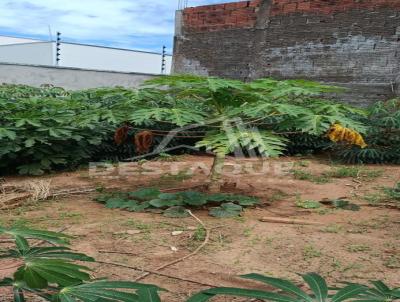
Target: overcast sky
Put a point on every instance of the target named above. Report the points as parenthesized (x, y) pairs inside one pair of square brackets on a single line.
[(136, 24)]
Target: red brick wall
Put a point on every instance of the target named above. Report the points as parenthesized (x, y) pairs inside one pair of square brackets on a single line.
[(284, 7), (243, 14), (221, 16)]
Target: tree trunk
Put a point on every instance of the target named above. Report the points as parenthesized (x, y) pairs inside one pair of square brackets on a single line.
[(216, 173)]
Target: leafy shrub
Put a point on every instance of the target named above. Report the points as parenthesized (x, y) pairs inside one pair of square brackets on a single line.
[(173, 204), (49, 128), (252, 117), (382, 137), (51, 273), (289, 292)]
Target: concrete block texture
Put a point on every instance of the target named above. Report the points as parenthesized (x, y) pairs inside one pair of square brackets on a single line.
[(68, 78), (350, 43)]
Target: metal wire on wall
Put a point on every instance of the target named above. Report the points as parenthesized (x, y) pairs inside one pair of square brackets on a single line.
[(182, 4)]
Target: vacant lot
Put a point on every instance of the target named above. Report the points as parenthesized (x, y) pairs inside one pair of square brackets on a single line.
[(346, 246)]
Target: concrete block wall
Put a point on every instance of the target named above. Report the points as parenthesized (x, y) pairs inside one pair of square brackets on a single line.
[(68, 78), (351, 43)]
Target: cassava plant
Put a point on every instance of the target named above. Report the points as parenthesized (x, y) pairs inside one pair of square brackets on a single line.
[(318, 291), (43, 129), (50, 272), (383, 136), (254, 116)]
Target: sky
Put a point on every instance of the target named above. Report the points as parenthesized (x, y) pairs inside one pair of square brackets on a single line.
[(134, 24)]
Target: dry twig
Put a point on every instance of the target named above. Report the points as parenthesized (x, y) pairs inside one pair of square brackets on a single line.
[(289, 221), (154, 272)]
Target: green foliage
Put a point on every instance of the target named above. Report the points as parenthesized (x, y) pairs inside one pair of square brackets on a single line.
[(236, 107), (173, 204), (318, 291), (48, 128), (50, 273), (20, 233), (393, 193), (305, 175), (226, 210), (382, 136), (307, 204), (344, 205), (306, 144)]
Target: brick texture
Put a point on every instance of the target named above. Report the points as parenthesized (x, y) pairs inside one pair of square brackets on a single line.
[(352, 43)]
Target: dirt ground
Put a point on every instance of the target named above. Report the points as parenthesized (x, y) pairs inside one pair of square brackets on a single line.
[(354, 246)]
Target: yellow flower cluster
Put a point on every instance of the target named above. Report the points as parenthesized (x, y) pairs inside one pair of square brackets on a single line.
[(338, 133)]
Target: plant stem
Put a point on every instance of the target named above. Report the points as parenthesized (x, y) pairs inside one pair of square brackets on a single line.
[(216, 173)]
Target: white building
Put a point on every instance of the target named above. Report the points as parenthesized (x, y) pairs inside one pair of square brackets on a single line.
[(37, 52)]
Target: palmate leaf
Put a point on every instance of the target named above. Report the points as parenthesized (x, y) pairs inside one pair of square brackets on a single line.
[(109, 291), (264, 109), (7, 133), (286, 286), (177, 116), (18, 289), (39, 273), (315, 124), (289, 89), (226, 210), (289, 291), (53, 252), (240, 292), (52, 237), (349, 292), (380, 292), (193, 198), (264, 142)]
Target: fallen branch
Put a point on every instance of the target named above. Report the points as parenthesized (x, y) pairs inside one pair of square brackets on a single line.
[(155, 272), (115, 252), (289, 221)]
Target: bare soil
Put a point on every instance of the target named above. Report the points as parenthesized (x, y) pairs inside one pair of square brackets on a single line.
[(354, 246)]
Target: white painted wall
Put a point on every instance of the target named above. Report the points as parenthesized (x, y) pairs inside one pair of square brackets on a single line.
[(6, 40), (104, 58), (38, 53), (84, 57)]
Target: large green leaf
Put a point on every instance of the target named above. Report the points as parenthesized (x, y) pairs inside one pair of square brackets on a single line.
[(109, 291), (380, 292), (52, 237), (239, 292), (264, 142), (226, 210), (318, 286), (349, 292), (53, 252), (38, 273), (284, 285), (193, 198)]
